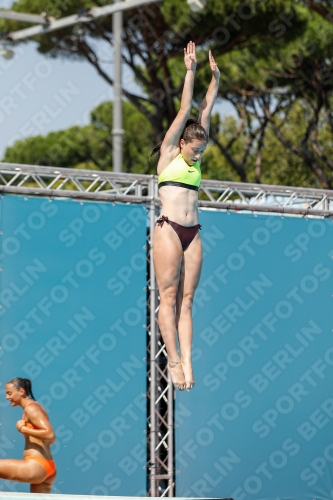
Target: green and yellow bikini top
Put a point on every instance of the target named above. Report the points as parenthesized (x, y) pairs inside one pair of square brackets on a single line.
[(179, 173)]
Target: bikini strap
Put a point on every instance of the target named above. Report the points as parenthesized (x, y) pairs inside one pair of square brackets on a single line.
[(161, 220)]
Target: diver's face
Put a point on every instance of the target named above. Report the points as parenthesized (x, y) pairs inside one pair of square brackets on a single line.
[(13, 395), (192, 151)]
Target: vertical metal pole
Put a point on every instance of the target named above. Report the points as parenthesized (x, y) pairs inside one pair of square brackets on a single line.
[(117, 122), (153, 396), (170, 437), (326, 203)]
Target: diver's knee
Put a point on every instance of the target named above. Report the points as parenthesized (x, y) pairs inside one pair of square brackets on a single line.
[(169, 297), (187, 301)]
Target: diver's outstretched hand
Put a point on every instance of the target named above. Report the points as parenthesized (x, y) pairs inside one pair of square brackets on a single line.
[(190, 59), (213, 65)]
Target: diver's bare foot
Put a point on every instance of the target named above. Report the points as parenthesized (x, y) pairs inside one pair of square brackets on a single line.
[(188, 373), (177, 374)]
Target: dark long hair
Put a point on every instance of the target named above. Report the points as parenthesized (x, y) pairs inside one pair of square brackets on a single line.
[(22, 383), (192, 131)]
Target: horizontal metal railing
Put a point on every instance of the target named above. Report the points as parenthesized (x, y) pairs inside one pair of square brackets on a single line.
[(139, 188)]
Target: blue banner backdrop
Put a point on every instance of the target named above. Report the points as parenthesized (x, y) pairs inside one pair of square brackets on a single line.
[(258, 423), (72, 318)]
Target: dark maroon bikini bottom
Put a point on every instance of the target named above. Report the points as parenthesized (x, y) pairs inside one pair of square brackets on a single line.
[(185, 234)]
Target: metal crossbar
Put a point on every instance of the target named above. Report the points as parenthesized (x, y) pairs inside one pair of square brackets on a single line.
[(32, 180), (136, 188)]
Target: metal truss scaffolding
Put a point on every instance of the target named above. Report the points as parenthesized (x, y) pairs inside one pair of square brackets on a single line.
[(142, 189), (135, 188)]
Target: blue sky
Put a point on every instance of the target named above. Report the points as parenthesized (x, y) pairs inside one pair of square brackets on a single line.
[(39, 94)]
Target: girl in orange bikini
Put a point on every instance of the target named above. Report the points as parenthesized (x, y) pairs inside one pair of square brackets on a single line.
[(177, 247), (37, 467)]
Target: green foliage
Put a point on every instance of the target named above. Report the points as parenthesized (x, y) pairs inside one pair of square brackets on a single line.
[(64, 148), (273, 54), (214, 164), (279, 166), (252, 16), (55, 8), (90, 146)]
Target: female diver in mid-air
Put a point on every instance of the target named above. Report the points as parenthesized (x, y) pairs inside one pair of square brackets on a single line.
[(177, 250), (37, 466)]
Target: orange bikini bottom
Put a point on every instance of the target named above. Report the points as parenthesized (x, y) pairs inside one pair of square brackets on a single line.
[(48, 465)]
